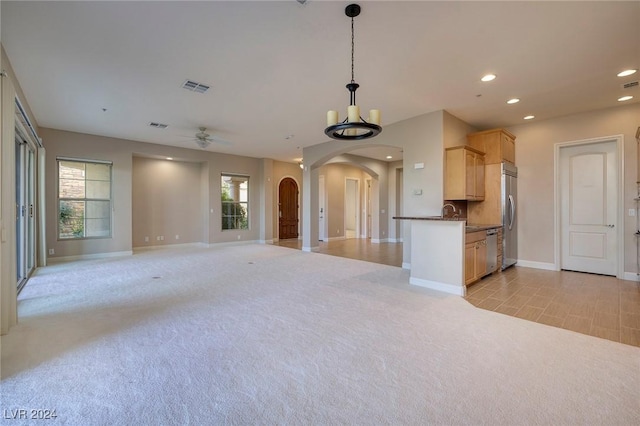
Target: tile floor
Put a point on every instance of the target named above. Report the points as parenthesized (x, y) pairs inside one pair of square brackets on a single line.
[(591, 304)]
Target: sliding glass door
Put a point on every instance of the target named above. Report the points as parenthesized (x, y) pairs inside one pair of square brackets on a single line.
[(25, 210)]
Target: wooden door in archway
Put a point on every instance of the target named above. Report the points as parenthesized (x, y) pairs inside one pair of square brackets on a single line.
[(287, 209)]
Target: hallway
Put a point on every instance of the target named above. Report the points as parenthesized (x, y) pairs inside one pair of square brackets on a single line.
[(595, 305)]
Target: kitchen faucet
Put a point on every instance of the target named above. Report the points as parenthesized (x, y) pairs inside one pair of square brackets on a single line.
[(444, 208)]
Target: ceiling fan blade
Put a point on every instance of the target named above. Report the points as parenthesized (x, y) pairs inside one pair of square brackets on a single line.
[(219, 140)]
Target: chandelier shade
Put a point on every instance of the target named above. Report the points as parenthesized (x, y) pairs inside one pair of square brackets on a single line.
[(353, 127)]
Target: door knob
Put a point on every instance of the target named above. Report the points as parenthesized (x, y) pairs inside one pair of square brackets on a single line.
[(610, 226)]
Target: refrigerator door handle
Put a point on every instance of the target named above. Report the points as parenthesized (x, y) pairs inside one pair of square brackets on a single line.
[(512, 212)]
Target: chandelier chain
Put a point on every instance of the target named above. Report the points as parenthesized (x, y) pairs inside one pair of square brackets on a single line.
[(352, 50)]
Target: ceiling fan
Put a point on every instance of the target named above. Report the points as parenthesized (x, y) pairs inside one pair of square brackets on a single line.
[(204, 139)]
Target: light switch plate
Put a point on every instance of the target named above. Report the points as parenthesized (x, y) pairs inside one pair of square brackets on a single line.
[(632, 212)]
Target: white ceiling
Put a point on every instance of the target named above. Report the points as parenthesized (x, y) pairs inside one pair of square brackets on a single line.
[(276, 67)]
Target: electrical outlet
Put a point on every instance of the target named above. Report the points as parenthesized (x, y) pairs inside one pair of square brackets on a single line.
[(238, 236), (177, 237), (158, 238), (52, 251), (161, 237), (146, 239)]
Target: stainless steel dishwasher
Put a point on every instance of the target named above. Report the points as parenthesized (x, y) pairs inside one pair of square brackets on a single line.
[(492, 250)]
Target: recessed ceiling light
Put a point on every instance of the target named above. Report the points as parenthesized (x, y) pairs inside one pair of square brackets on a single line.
[(169, 158), (626, 73), (529, 117), (388, 157), (625, 98), (488, 77), (513, 101)]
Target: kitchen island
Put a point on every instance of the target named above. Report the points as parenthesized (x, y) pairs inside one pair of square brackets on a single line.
[(438, 255)]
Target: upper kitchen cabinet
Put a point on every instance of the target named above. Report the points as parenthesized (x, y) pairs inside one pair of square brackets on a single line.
[(497, 144), (464, 174)]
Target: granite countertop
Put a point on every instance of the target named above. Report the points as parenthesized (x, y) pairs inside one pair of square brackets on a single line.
[(457, 219), (468, 228)]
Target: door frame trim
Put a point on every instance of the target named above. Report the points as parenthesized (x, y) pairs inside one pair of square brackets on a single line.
[(619, 139)]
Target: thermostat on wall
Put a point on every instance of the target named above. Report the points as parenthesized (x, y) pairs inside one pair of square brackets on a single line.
[(418, 166)]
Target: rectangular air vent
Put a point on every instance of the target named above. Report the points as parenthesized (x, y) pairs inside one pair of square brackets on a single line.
[(630, 85), (194, 86), (158, 125)]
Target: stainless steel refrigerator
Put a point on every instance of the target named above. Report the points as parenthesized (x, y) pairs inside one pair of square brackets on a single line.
[(509, 217)]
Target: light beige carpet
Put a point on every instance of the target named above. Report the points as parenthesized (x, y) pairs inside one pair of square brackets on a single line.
[(258, 334)]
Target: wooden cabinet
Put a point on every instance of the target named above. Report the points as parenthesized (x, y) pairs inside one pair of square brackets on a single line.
[(490, 210), (464, 174), (475, 256), (497, 144)]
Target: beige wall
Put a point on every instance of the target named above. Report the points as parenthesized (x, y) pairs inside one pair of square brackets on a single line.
[(335, 177), (121, 152), (535, 160), (421, 139), (455, 131), (166, 202), (395, 170)]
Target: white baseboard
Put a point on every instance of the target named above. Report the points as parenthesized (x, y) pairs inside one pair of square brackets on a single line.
[(631, 276), (406, 265), (435, 285), (232, 243), (266, 241), (310, 249), (537, 265), (335, 238), (379, 240), (63, 259), (167, 246)]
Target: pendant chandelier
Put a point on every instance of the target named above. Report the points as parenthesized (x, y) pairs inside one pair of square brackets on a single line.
[(353, 127)]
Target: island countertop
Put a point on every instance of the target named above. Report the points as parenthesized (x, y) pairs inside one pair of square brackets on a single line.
[(468, 227)]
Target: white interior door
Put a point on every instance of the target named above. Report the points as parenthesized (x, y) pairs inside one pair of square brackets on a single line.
[(589, 207), (323, 208)]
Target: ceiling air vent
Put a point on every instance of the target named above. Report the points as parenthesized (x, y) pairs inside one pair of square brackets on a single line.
[(194, 86), (158, 125), (630, 85)]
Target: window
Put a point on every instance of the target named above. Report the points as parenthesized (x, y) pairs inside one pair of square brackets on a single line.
[(84, 199), (235, 202)]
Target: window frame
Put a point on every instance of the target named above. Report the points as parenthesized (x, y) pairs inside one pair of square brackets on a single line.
[(245, 203), (59, 199)]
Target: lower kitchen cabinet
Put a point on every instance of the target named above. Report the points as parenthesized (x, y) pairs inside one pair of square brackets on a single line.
[(475, 256)]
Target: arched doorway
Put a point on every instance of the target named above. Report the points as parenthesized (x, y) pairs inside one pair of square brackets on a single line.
[(288, 209)]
